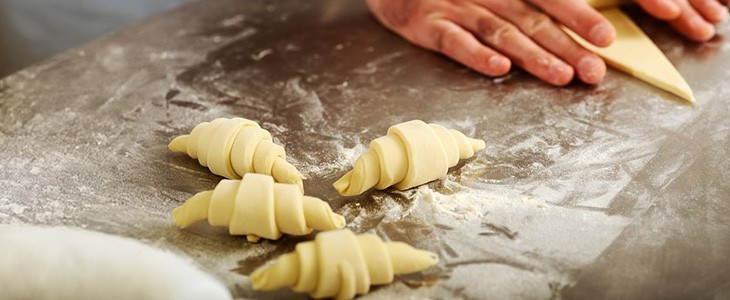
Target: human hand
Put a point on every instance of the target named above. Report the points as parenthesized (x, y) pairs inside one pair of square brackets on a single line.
[(694, 19), (489, 35)]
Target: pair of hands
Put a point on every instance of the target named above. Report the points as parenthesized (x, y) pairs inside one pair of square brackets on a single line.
[(488, 36)]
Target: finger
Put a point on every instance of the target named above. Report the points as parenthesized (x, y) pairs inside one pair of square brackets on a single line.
[(660, 9), (460, 45), (711, 10), (508, 40), (691, 24), (540, 28), (581, 18)]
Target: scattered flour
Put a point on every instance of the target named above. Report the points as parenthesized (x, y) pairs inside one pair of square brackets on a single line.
[(232, 21), (15, 208), (465, 205), (261, 54), (348, 156), (343, 160)]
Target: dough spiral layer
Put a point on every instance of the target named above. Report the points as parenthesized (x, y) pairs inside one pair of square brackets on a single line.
[(340, 264), (412, 153), (257, 207), (233, 147)]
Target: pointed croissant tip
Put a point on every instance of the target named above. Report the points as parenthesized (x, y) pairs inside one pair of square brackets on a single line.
[(478, 144), (407, 259), (426, 258), (285, 172), (342, 184), (178, 144), (280, 273), (181, 218), (338, 221), (177, 217), (190, 212), (431, 257), (258, 278)]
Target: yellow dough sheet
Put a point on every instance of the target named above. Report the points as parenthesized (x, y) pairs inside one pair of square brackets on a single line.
[(634, 53)]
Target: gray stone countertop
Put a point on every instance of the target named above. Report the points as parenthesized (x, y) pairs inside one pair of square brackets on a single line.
[(612, 191)]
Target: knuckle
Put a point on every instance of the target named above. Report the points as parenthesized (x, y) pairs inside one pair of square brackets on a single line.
[(486, 25), (505, 32), (536, 23), (445, 40), (397, 14), (439, 40), (494, 30), (539, 63)]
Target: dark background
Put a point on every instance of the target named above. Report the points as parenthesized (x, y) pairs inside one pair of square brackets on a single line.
[(33, 30)]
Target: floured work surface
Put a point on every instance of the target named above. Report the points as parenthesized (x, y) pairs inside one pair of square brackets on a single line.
[(617, 190)]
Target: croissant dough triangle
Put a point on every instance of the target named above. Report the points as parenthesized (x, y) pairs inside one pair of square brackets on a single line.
[(256, 206), (412, 153), (341, 264), (234, 147), (634, 53)]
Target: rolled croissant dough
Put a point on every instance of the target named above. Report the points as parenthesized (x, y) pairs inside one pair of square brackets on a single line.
[(234, 147), (256, 206), (411, 154), (341, 264)]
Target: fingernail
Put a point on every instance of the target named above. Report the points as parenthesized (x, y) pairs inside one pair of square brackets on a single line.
[(560, 73), (498, 64), (721, 11), (705, 31), (672, 7), (591, 69), (602, 34)]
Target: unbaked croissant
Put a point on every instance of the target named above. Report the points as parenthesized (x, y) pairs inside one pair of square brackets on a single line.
[(340, 264), (233, 147), (412, 153), (256, 206)]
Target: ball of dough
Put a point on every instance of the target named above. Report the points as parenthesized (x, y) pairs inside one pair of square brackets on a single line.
[(73, 264)]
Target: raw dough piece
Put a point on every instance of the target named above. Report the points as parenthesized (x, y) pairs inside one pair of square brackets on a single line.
[(73, 264), (412, 153), (258, 207), (634, 53), (233, 147), (340, 264)]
